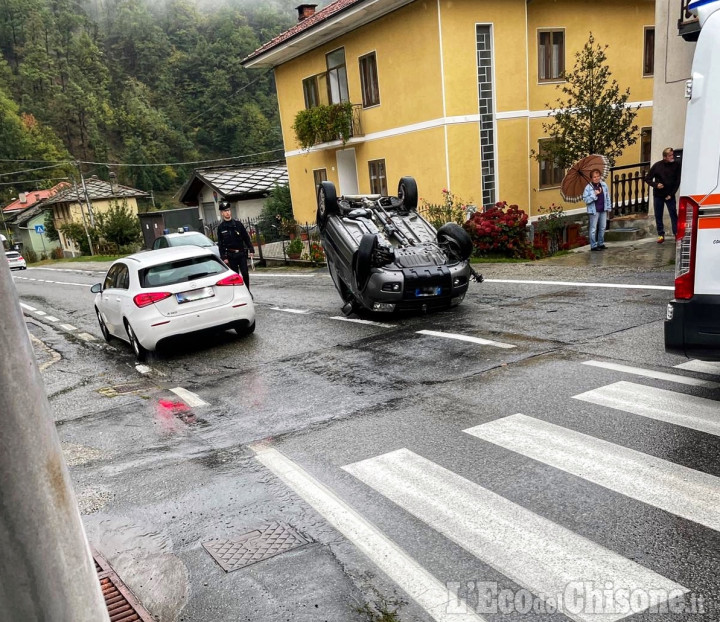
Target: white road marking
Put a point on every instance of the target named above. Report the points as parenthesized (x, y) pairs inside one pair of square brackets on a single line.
[(276, 274), (696, 413), (582, 284), (417, 582), (478, 340), (705, 367), (27, 307), (26, 278), (531, 550), (67, 327), (359, 321), (40, 313), (300, 311), (86, 337), (143, 369), (190, 398), (51, 318), (671, 487), (648, 373)]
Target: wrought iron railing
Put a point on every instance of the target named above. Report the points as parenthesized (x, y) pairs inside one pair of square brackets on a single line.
[(688, 25), (630, 194)]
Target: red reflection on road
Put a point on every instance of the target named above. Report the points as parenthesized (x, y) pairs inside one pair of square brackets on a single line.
[(169, 412)]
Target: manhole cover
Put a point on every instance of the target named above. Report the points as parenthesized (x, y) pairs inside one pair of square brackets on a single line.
[(121, 389), (255, 546)]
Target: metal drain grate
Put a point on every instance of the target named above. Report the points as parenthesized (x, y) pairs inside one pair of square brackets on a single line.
[(124, 389), (121, 603), (255, 546)]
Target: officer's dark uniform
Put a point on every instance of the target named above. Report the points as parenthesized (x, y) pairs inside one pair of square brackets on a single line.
[(235, 244)]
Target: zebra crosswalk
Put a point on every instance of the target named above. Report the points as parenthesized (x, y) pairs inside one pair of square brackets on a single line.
[(551, 567)]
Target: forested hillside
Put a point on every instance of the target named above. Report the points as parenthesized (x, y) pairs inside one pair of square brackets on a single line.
[(135, 82)]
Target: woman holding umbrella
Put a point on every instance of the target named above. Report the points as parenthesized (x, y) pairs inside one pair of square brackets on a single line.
[(584, 182), (597, 199)]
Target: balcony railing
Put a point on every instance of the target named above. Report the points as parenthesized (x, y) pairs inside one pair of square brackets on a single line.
[(688, 25), (630, 194), (323, 124)]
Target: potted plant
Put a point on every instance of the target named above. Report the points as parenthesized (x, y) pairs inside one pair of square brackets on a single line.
[(294, 249)]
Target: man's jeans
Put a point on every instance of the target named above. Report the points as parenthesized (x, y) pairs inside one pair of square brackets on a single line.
[(597, 228), (659, 205)]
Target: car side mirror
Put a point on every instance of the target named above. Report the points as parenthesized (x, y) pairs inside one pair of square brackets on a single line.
[(97, 288)]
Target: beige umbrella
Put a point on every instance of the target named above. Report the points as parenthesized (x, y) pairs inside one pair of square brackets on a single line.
[(579, 174)]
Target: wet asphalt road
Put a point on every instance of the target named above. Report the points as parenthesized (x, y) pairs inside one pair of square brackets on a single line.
[(357, 406)]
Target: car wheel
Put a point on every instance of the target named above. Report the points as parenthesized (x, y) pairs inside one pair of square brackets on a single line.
[(408, 192), (243, 329), (327, 202), (103, 327), (454, 239), (140, 352), (362, 263)]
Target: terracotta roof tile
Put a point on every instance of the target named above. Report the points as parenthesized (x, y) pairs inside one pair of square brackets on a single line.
[(306, 24)]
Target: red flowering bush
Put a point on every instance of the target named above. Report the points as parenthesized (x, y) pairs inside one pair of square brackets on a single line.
[(500, 231)]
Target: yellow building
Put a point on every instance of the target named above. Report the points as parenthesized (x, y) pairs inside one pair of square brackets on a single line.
[(81, 203), (451, 92)]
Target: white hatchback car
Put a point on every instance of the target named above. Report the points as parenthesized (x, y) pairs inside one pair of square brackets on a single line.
[(16, 260), (153, 295)]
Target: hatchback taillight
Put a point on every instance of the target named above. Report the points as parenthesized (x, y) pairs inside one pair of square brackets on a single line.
[(233, 279), (149, 298), (685, 249)]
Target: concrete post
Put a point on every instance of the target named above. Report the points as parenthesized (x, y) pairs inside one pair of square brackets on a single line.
[(46, 570)]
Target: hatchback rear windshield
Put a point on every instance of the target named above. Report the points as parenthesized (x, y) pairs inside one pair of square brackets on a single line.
[(12, 255), (190, 239), (180, 271)]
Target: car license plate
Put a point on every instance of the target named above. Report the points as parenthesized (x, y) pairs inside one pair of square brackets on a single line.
[(195, 294), (428, 291)]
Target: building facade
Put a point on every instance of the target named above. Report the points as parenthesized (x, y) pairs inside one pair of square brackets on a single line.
[(451, 92)]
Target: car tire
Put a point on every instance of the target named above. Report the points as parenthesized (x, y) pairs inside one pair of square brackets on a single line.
[(327, 203), (362, 262), (244, 330), (457, 239), (408, 192), (103, 327), (140, 352)]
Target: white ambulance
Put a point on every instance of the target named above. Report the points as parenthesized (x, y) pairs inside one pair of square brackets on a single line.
[(692, 326)]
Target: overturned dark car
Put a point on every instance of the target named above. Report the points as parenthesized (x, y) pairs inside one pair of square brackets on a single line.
[(384, 256)]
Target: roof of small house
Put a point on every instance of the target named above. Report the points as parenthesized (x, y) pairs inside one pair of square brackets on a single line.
[(97, 190), (234, 182), (28, 199), (328, 23)]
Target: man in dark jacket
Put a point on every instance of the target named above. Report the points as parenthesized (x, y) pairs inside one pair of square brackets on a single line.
[(664, 177), (234, 243)]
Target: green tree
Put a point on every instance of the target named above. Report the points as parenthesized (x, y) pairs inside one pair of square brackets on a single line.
[(51, 233), (591, 116), (119, 225), (77, 233)]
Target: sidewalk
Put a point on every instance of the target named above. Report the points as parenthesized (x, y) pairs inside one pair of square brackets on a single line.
[(633, 256)]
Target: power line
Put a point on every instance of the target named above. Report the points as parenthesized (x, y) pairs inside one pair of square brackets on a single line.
[(75, 162)]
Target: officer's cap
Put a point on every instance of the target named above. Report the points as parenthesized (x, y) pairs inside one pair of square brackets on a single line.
[(224, 206)]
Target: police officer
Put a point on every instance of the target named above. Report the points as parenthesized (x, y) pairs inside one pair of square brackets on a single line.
[(234, 243)]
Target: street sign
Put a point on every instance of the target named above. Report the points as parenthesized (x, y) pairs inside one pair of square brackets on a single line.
[(39, 228)]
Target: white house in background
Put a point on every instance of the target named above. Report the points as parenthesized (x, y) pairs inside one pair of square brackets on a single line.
[(676, 31), (244, 187)]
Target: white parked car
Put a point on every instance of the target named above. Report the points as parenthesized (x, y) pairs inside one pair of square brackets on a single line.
[(16, 260), (153, 295), (185, 238)]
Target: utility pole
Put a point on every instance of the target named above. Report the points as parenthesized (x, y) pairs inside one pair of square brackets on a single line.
[(46, 567), (87, 197), (82, 213)]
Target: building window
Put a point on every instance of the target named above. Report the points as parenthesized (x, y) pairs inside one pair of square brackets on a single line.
[(319, 175), (551, 175), (337, 77), (378, 178), (369, 80), (310, 91), (649, 52), (551, 55)]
